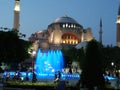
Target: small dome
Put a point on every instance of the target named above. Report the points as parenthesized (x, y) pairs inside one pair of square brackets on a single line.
[(65, 19)]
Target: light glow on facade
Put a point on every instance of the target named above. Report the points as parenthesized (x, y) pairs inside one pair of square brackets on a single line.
[(63, 32)]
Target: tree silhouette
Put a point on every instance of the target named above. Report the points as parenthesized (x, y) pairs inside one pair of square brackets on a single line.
[(92, 71), (12, 49), (111, 54)]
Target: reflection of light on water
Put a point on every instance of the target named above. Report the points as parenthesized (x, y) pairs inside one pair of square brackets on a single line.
[(109, 77), (53, 70), (45, 62), (46, 75)]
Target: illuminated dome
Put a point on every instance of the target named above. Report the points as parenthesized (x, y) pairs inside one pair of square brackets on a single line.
[(68, 20), (65, 19)]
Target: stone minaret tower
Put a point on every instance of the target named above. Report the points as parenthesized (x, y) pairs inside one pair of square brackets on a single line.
[(100, 32), (118, 28), (17, 15)]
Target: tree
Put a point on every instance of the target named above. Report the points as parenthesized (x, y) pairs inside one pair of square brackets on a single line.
[(73, 55), (111, 54), (12, 49), (67, 54), (80, 57), (92, 71)]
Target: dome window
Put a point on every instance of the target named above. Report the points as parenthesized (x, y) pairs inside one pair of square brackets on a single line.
[(63, 25), (71, 25), (66, 25), (74, 26)]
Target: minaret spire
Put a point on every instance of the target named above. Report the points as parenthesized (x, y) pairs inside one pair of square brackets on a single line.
[(118, 28), (119, 10), (17, 15), (100, 32)]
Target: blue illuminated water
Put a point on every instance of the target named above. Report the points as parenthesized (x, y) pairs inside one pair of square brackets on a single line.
[(47, 63)]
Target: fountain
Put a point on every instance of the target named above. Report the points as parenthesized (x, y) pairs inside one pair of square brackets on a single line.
[(47, 63)]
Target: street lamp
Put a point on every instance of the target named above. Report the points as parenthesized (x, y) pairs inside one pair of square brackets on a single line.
[(114, 67), (33, 56), (112, 63)]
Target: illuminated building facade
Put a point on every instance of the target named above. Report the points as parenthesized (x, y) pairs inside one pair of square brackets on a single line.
[(63, 32)]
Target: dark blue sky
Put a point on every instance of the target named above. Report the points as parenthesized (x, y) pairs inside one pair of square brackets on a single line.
[(38, 14)]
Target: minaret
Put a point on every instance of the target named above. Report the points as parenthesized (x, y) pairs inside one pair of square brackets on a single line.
[(118, 28), (100, 32), (17, 15)]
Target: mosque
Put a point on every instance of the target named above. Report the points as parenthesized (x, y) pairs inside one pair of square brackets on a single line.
[(63, 32)]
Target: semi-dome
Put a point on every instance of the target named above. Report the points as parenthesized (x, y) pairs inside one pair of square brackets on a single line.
[(65, 19)]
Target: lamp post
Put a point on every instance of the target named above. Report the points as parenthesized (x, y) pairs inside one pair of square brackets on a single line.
[(114, 67), (33, 56)]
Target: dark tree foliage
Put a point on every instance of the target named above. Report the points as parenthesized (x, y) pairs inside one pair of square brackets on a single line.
[(67, 53), (111, 54), (12, 49), (73, 54), (92, 71), (81, 56)]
